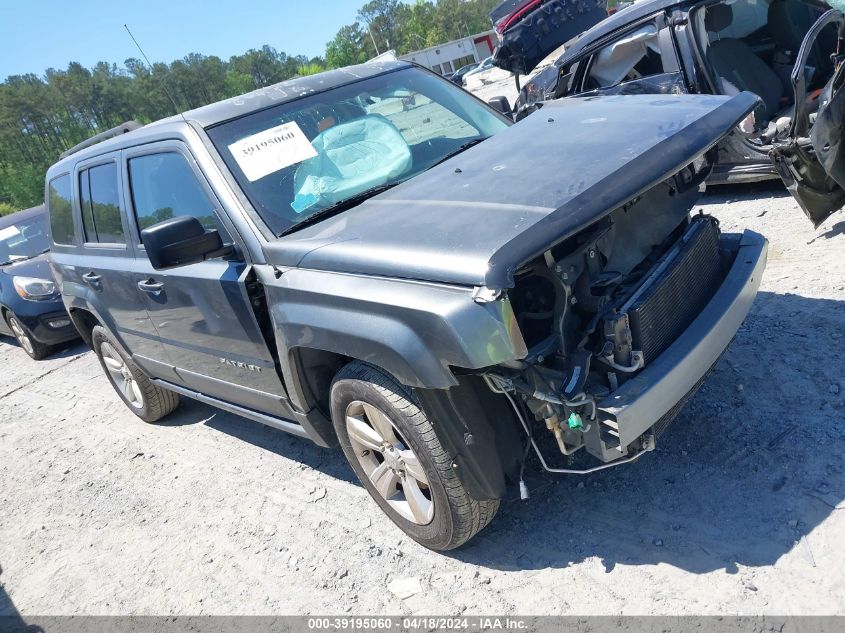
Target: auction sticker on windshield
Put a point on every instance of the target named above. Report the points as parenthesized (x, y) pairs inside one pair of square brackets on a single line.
[(271, 150), (9, 231)]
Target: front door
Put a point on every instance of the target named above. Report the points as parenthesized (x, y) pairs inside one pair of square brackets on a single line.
[(812, 161), (202, 313)]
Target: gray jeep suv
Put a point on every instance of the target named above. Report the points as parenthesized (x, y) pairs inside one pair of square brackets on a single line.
[(374, 258)]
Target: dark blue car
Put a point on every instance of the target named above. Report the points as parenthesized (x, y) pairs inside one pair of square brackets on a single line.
[(30, 302)]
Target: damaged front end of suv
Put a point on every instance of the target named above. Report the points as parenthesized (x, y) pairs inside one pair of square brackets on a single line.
[(543, 285), (603, 316), (625, 317), (547, 288)]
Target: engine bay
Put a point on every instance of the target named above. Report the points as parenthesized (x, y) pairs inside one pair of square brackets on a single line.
[(600, 306)]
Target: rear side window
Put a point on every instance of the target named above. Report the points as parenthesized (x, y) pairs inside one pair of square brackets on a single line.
[(98, 197), (164, 186), (61, 215)]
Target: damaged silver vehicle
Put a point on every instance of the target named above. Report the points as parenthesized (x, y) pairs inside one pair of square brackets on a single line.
[(787, 52), (374, 258)]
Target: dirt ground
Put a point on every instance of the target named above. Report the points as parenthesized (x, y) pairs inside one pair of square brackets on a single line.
[(739, 511)]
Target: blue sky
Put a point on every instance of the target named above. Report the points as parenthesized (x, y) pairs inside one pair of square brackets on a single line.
[(40, 34)]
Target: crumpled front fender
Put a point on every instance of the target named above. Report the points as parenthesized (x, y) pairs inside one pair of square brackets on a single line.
[(416, 331)]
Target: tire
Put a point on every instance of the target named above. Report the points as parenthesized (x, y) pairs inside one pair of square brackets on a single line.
[(36, 350), (360, 393), (146, 400)]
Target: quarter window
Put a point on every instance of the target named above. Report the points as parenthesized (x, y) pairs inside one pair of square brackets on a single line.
[(61, 214), (100, 202), (164, 186)]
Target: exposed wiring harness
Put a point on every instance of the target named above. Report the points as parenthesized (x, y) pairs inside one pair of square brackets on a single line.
[(493, 383)]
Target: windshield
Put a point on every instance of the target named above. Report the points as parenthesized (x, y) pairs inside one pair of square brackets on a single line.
[(310, 156), (24, 239)]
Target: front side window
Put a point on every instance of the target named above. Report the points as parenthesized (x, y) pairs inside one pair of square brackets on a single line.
[(298, 161), (61, 210), (164, 186), (100, 202)]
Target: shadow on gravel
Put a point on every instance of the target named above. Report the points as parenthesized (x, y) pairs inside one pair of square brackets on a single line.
[(72, 348), (743, 192), (328, 461), (65, 350), (752, 465), (10, 618), (836, 229), (7, 607)]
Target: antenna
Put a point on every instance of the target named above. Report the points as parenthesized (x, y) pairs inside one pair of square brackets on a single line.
[(150, 66)]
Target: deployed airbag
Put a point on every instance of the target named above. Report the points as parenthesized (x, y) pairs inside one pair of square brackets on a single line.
[(614, 62), (351, 157)]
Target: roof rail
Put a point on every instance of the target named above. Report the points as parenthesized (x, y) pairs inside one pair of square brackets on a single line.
[(123, 128)]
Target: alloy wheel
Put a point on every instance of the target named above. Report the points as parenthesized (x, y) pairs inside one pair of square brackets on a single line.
[(389, 463), (21, 335), (120, 375)]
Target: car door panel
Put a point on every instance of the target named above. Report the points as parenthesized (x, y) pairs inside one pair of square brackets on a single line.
[(113, 295), (204, 318), (202, 313), (104, 278), (811, 162)]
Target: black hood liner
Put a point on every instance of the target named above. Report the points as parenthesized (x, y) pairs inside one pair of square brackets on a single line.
[(543, 28)]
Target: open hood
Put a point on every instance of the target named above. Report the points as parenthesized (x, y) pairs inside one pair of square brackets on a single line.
[(474, 219), (811, 162), (529, 30)]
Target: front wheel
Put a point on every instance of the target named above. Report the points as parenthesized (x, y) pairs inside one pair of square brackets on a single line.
[(36, 350), (391, 445)]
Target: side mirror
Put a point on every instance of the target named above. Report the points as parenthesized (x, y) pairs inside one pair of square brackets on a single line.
[(181, 241), (501, 104)]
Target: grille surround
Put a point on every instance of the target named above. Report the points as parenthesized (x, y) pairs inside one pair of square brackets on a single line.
[(682, 284)]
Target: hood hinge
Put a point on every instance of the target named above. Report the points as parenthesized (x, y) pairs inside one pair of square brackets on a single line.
[(483, 294)]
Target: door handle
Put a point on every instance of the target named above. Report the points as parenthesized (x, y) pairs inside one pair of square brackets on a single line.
[(153, 287), (93, 280)]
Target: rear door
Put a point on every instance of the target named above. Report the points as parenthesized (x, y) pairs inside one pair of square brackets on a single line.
[(202, 313), (811, 162), (109, 258), (92, 254)]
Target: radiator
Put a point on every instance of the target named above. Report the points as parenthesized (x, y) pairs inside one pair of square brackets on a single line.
[(676, 291)]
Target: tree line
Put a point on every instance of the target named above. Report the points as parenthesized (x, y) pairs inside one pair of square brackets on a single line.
[(43, 115)]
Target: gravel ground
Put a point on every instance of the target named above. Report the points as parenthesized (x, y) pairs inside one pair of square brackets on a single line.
[(739, 511)]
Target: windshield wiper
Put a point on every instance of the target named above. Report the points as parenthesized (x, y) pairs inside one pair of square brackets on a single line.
[(23, 258), (337, 207), (461, 148)]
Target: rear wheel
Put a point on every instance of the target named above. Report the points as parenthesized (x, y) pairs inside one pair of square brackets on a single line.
[(36, 350), (391, 445), (144, 398)]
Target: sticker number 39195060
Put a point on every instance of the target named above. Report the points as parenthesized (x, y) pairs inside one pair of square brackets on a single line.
[(271, 150)]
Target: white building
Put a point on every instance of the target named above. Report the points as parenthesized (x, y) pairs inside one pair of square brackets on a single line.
[(448, 57)]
